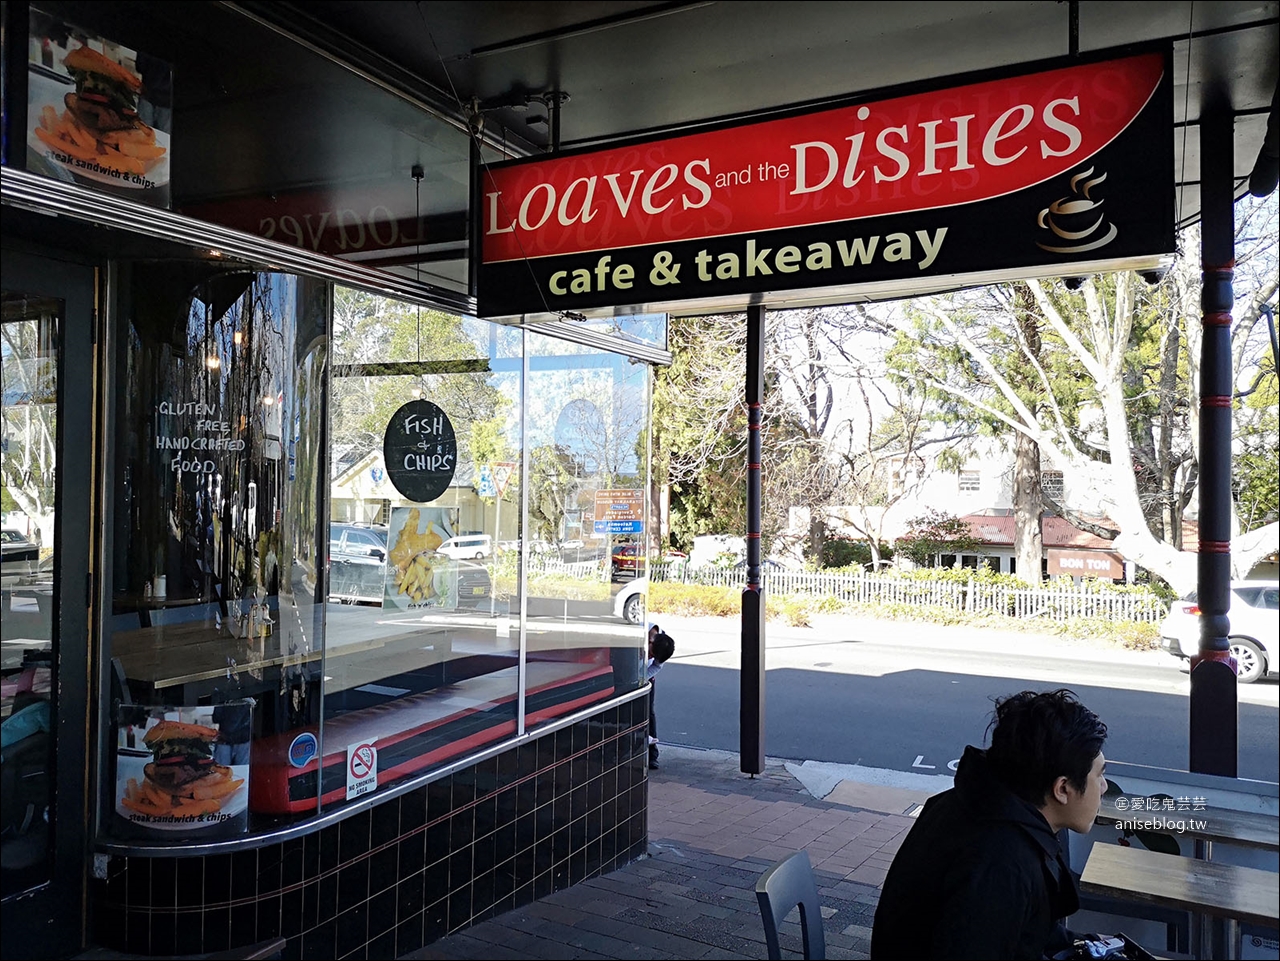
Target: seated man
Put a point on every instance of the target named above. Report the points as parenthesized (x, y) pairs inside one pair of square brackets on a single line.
[(981, 873)]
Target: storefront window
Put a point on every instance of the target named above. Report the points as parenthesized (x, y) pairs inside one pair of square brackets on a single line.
[(465, 598), (28, 486), (215, 628), (437, 526), (588, 482), (422, 664)]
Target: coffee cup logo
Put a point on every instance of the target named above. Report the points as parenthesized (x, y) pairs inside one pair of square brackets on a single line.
[(1078, 219)]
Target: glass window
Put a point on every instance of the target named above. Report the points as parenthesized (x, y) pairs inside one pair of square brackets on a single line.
[(215, 563), (29, 472), (589, 496), (432, 417), (423, 647), (1051, 483)]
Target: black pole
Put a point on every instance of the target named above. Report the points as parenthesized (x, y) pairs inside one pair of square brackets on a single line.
[(1214, 732), (751, 708)]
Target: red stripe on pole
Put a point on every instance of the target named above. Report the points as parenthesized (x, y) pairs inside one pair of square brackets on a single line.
[(1216, 401), (1215, 547), (1217, 320)]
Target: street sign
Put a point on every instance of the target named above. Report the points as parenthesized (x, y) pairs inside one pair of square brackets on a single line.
[(1105, 564), (619, 505), (485, 487), (618, 527), (619, 512), (502, 473)]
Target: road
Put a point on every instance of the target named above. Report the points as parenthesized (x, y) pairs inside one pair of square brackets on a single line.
[(909, 697)]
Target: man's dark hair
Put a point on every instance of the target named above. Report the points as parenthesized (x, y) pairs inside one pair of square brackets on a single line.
[(1038, 737), (663, 647)]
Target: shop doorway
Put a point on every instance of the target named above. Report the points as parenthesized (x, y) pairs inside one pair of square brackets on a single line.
[(46, 466)]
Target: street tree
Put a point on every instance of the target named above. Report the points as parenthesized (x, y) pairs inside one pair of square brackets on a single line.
[(387, 353), (700, 422), (880, 442)]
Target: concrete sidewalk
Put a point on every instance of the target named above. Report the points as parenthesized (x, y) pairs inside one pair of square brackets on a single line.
[(712, 832)]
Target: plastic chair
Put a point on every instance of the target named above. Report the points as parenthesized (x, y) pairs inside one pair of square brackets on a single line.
[(786, 885)]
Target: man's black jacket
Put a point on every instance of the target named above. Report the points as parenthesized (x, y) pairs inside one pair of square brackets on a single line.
[(980, 875)]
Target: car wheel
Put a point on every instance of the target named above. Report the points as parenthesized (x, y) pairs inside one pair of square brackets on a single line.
[(1249, 661), (633, 609), (479, 556)]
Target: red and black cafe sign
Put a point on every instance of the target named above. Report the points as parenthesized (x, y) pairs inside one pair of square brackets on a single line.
[(1045, 174)]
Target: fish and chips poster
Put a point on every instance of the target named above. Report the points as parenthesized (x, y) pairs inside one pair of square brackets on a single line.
[(98, 113), (417, 575), (184, 769)]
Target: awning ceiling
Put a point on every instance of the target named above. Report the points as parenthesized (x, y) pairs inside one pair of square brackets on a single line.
[(633, 69)]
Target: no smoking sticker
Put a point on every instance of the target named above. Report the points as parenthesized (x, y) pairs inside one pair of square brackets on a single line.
[(362, 769)]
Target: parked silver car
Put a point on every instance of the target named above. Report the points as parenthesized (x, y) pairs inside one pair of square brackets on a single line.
[(21, 558), (1254, 628)]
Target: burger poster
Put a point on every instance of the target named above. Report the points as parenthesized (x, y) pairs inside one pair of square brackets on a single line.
[(98, 114), (184, 769)]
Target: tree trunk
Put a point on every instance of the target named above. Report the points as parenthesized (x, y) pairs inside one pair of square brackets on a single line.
[(817, 532), (1028, 505), (1028, 497), (1171, 515)]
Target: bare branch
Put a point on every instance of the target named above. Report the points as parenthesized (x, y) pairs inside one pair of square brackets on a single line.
[(1051, 314)]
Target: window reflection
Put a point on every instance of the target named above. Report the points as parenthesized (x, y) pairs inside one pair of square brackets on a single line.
[(214, 629), (424, 616), (588, 460), (28, 468), (422, 657)]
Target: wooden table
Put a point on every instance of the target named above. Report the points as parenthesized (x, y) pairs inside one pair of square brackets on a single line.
[(1244, 828), (1189, 884)]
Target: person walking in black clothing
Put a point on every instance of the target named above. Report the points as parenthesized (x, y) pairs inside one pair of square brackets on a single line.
[(661, 647), (981, 873)]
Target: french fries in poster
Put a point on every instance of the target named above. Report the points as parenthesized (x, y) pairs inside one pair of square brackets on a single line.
[(417, 575)]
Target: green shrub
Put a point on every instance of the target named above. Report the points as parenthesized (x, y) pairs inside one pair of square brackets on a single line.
[(693, 600), (793, 609), (1131, 635), (845, 553)]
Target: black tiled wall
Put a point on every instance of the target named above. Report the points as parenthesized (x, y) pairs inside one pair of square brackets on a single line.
[(540, 817)]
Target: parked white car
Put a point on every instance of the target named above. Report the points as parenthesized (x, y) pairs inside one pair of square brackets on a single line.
[(1254, 628), (629, 602), (467, 546)]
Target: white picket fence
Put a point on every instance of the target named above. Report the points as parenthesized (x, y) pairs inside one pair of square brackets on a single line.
[(1055, 602), (554, 565)]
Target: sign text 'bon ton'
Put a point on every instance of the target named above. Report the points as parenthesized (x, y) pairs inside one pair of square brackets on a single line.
[(1070, 164)]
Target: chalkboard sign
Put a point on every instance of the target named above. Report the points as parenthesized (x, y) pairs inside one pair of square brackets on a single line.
[(420, 450)]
